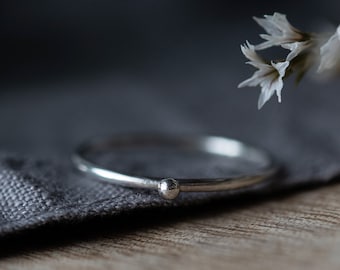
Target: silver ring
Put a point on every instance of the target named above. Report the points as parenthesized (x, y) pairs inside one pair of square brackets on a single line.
[(168, 187)]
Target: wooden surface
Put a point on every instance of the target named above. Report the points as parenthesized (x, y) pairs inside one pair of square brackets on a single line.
[(296, 231)]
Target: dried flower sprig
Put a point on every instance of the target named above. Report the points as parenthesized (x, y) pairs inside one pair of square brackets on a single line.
[(304, 51)]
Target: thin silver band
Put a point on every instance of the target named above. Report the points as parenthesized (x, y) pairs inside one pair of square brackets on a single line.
[(169, 188)]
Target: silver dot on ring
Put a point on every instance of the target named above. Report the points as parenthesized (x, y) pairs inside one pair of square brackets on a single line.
[(168, 188)]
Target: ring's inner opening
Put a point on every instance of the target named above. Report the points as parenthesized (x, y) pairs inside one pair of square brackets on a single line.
[(162, 161)]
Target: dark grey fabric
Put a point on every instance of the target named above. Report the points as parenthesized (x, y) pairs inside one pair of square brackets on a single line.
[(39, 185)]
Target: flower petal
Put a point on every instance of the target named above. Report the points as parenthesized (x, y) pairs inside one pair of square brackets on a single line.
[(279, 31), (281, 67), (330, 52), (296, 48), (265, 95), (273, 83), (249, 52)]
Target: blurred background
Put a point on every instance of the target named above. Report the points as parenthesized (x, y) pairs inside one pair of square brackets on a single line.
[(75, 69)]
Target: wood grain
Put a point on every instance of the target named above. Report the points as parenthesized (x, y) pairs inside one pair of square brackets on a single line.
[(300, 231)]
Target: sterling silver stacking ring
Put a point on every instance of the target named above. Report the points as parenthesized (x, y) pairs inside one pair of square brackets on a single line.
[(167, 186)]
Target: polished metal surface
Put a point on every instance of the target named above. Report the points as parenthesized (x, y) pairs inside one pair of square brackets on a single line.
[(169, 188)]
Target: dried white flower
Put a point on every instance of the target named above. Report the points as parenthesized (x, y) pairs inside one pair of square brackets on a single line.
[(269, 76), (304, 52), (279, 31), (330, 53)]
